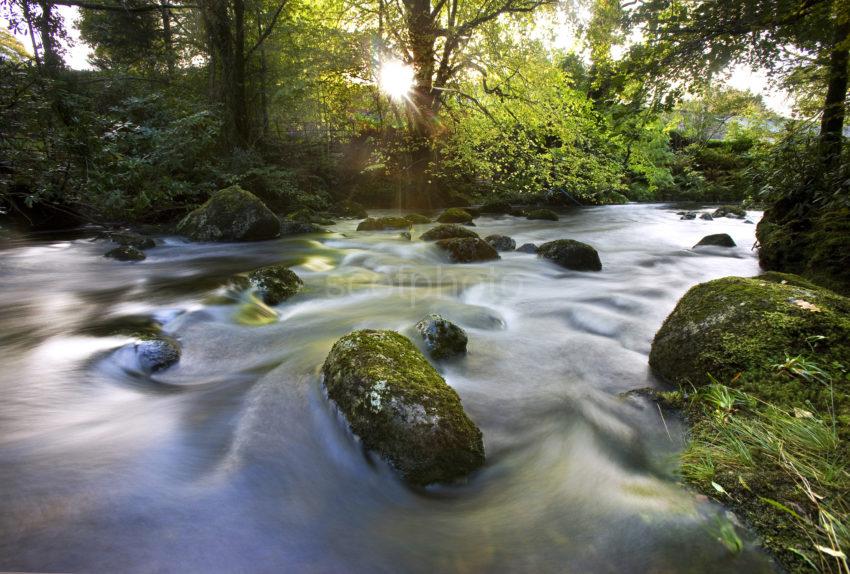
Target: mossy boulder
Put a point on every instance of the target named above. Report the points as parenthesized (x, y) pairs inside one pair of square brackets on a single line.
[(442, 337), (740, 331), (527, 248), (309, 216), (401, 408), (231, 214), (571, 254), (157, 352), (447, 231), (468, 249), (126, 253), (501, 242), (733, 211), (455, 215), (716, 240), (383, 223), (544, 214), (417, 219), (274, 284)]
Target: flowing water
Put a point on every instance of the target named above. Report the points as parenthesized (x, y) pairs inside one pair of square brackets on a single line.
[(234, 461)]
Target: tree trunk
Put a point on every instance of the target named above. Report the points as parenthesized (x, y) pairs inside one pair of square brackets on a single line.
[(50, 56), (167, 38), (832, 122), (238, 103)]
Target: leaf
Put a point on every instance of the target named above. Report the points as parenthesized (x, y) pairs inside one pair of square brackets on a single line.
[(780, 506), (719, 488), (831, 552)]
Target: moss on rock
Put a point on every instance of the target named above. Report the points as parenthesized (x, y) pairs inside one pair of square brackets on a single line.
[(571, 254), (496, 207), (741, 329), (455, 215), (468, 249), (401, 408), (447, 231), (383, 223), (231, 214), (733, 211), (417, 219)]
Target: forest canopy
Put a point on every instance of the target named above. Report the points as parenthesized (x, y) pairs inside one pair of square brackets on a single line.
[(419, 103)]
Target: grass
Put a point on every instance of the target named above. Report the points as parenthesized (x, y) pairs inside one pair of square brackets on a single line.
[(783, 467)]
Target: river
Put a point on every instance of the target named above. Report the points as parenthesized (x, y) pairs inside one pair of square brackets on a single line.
[(234, 461)]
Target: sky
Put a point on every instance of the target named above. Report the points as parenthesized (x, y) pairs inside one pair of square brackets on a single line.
[(563, 37)]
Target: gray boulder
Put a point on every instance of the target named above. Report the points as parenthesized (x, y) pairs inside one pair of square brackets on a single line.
[(443, 338), (716, 240), (501, 242), (571, 254)]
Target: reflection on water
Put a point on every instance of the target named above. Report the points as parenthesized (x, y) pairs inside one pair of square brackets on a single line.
[(232, 460)]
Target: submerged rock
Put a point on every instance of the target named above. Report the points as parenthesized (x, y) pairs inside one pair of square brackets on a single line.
[(126, 253), (689, 215), (130, 239), (501, 242), (716, 240), (405, 235), (706, 216), (157, 352), (231, 214), (448, 231), (274, 284), (545, 214), (383, 223), (733, 211), (468, 249), (401, 408), (416, 219), (527, 248), (742, 329), (571, 254), (443, 338), (455, 215)]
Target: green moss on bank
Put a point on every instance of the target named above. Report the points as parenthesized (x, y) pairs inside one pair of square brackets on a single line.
[(770, 441)]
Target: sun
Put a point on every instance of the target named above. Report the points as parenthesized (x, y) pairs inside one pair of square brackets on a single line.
[(395, 79)]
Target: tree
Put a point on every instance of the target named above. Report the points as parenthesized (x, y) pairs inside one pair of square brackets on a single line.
[(697, 39)]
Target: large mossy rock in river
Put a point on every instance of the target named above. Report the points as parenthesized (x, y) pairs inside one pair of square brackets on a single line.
[(231, 214), (740, 331), (447, 231), (455, 215), (442, 337), (468, 250), (383, 223), (571, 254), (401, 408)]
